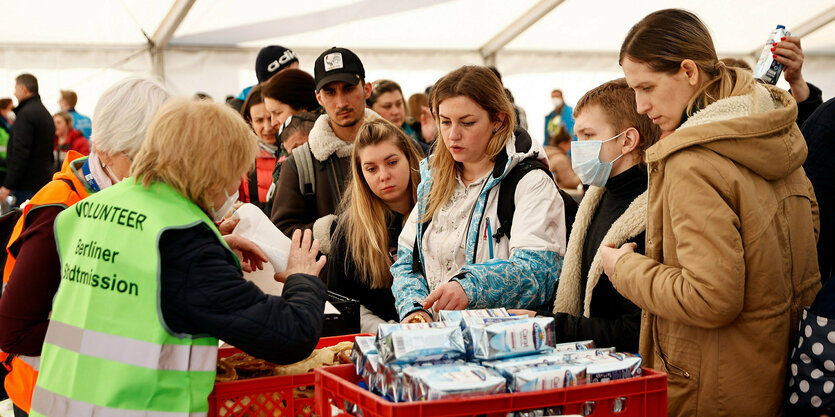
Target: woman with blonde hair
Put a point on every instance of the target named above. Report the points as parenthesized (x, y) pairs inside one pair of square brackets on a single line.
[(150, 285), (730, 237), (382, 192), (448, 255)]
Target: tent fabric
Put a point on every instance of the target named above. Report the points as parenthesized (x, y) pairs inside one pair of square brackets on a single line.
[(86, 45)]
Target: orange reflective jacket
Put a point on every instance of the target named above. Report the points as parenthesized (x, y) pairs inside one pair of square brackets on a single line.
[(20, 382)]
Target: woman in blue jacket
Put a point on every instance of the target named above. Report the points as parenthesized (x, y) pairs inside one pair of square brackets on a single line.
[(448, 256)]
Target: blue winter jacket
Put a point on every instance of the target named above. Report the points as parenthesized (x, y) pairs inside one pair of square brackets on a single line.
[(523, 270)]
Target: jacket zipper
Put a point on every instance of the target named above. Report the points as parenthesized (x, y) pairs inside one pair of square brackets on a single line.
[(470, 219)]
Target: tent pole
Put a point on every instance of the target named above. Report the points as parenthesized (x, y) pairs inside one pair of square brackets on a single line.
[(164, 33), (515, 28), (157, 63)]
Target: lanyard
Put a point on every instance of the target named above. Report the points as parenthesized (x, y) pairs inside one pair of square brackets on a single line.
[(85, 169)]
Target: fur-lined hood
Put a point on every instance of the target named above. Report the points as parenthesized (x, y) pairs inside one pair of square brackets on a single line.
[(773, 149), (324, 142), (630, 224)]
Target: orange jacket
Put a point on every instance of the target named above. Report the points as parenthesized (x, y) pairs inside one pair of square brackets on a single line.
[(264, 166), (23, 372)]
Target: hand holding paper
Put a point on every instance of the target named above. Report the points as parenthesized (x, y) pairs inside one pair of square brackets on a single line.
[(302, 260), (255, 226)]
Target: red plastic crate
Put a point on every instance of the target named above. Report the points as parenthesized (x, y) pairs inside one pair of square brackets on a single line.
[(271, 396), (645, 395)]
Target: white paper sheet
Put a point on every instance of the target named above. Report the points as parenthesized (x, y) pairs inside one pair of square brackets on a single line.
[(258, 228)]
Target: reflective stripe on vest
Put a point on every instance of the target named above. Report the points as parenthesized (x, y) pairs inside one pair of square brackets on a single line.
[(132, 351), (49, 403), (33, 361), (108, 348)]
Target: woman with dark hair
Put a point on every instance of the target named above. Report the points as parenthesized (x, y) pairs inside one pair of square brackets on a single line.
[(730, 238), (287, 93), (385, 176), (255, 187), (448, 257), (387, 100)]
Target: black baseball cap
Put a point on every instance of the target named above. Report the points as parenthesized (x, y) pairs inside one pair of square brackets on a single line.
[(338, 64), (272, 59)]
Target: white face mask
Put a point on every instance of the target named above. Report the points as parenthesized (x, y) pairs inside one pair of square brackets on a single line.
[(217, 215), (585, 160), (11, 116), (113, 176), (556, 101)]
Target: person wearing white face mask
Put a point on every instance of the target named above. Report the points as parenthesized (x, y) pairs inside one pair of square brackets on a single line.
[(32, 272), (608, 157), (145, 270), (561, 116)]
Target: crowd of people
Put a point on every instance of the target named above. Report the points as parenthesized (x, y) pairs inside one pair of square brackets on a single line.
[(700, 240)]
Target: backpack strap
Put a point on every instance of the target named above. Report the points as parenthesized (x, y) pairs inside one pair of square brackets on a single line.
[(570, 206), (253, 186), (304, 168), (417, 265), (507, 191)]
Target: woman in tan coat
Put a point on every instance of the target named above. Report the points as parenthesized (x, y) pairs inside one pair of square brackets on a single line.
[(731, 224)]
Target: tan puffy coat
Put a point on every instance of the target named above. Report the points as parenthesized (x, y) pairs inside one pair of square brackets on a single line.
[(730, 256)]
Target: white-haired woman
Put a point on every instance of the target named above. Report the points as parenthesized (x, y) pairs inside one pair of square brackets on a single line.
[(152, 341), (33, 269)]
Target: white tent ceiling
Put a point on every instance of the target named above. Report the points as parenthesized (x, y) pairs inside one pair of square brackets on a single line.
[(210, 45)]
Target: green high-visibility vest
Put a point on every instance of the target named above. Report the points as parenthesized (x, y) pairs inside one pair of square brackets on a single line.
[(108, 351)]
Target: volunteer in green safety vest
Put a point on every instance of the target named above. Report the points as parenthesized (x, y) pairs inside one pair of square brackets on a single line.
[(149, 284), (32, 271)]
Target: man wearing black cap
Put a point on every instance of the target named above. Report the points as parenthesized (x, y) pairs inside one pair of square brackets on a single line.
[(311, 202), (270, 61)]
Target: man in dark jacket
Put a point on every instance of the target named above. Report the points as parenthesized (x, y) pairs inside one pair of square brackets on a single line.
[(30, 159), (341, 90)]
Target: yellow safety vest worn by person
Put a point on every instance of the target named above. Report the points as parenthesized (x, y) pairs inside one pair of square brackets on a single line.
[(108, 351), (63, 191)]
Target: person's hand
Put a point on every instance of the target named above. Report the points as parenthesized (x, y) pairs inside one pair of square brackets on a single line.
[(302, 257), (417, 317), (789, 53), (251, 256), (520, 312), (4, 193), (228, 225), (609, 256), (448, 296)]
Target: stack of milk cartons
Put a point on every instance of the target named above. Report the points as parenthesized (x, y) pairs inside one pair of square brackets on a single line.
[(478, 352)]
